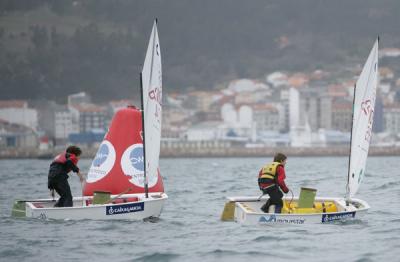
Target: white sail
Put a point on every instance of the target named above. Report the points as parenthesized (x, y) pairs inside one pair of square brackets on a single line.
[(152, 109), (363, 114)]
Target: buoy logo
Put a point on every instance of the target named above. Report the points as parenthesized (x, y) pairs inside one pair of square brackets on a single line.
[(132, 163), (136, 158), (101, 155), (103, 162)]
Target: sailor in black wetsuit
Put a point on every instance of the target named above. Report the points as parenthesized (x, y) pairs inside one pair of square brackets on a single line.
[(58, 175)]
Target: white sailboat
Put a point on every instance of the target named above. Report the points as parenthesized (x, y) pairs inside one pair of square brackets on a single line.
[(124, 180), (307, 208)]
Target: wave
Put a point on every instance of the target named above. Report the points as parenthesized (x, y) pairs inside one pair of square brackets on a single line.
[(366, 258), (7, 254), (387, 185), (350, 222), (157, 256), (270, 239), (221, 252)]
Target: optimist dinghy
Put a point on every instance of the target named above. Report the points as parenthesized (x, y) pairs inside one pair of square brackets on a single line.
[(124, 180), (307, 209)]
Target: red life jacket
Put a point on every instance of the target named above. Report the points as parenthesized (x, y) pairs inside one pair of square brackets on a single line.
[(63, 157)]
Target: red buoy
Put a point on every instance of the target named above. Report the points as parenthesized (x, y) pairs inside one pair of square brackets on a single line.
[(119, 163)]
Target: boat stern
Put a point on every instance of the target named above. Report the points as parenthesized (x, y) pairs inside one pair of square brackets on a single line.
[(18, 209)]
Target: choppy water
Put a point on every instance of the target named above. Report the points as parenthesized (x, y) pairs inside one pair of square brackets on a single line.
[(190, 229)]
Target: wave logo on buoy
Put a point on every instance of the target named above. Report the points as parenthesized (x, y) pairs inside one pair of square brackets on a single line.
[(136, 158), (103, 162), (101, 155), (132, 164)]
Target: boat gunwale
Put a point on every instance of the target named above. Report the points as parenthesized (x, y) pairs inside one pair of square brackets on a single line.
[(163, 196), (239, 200)]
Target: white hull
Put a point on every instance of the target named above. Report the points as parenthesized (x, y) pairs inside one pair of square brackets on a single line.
[(134, 210), (247, 210)]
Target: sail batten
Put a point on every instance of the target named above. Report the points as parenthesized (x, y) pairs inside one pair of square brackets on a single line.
[(363, 113)]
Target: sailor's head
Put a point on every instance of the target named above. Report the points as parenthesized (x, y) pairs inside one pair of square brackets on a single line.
[(281, 158), (74, 150)]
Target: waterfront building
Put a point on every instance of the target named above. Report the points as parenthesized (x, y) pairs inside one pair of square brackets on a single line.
[(86, 117), (78, 98), (13, 135), (63, 126), (205, 131), (18, 112), (199, 100), (391, 115), (316, 104), (277, 79), (267, 117), (378, 126), (342, 111)]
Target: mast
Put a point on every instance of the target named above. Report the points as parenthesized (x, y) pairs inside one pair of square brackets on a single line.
[(351, 141), (146, 187)]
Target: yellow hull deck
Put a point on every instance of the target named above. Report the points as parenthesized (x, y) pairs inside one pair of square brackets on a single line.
[(291, 207)]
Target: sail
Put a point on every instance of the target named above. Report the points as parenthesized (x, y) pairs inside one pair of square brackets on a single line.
[(363, 115), (152, 110)]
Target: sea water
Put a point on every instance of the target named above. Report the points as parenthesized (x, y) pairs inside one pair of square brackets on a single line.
[(190, 229)]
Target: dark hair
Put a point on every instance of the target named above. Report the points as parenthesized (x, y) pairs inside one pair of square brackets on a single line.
[(279, 157), (74, 150)]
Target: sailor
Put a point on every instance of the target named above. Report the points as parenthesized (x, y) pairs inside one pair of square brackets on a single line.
[(271, 180), (58, 175)]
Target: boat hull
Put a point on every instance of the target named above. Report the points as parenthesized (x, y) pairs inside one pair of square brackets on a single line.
[(138, 209), (247, 211)]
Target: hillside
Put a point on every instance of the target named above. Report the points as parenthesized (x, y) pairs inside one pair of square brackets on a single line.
[(54, 48)]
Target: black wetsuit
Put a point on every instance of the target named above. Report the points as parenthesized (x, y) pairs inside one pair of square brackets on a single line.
[(58, 180)]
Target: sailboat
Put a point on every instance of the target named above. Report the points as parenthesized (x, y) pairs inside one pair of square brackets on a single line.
[(123, 181), (307, 208)]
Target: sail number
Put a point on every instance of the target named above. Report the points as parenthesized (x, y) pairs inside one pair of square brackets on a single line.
[(156, 95), (368, 110)]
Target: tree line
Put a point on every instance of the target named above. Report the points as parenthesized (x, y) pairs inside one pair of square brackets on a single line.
[(203, 43)]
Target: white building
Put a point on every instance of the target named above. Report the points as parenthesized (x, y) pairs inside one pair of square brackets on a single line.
[(301, 135), (229, 114), (294, 107), (246, 85), (62, 124), (17, 112), (267, 117), (78, 98), (277, 79), (391, 115), (13, 135), (205, 131)]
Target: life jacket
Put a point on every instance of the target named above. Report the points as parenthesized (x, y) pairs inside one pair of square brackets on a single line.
[(268, 175), (63, 157)]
